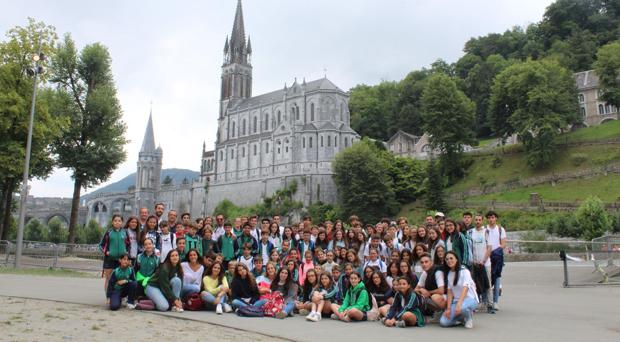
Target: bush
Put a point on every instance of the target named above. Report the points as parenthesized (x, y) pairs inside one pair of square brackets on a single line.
[(321, 212), (537, 235), (578, 158), (35, 231), (565, 226), (496, 162), (592, 218), (57, 232)]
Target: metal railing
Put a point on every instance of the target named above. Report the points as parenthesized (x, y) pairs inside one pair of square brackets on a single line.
[(52, 255)]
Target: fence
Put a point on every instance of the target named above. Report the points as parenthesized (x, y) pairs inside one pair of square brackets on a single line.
[(51, 255)]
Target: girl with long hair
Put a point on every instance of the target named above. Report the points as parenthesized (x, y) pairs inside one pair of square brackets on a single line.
[(192, 273), (322, 297), (215, 289), (434, 240), (304, 304), (288, 288), (462, 298), (274, 235), (454, 239), (338, 240), (378, 287), (244, 290), (406, 309), (355, 304), (132, 226), (165, 285)]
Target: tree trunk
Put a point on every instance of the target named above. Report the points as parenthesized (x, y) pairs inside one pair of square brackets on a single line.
[(7, 203), (75, 207), (2, 203)]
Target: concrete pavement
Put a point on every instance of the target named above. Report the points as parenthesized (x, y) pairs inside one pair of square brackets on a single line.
[(534, 307)]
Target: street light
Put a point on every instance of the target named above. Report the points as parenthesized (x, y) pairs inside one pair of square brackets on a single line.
[(38, 69)]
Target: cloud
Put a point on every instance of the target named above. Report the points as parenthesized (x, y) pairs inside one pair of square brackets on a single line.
[(171, 53)]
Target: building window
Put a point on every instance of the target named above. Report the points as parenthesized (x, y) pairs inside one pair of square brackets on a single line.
[(341, 112), (266, 121), (255, 124), (321, 141), (583, 112), (232, 154), (286, 149), (267, 148), (607, 108), (312, 112), (233, 129), (303, 142), (221, 156), (296, 111), (254, 149), (279, 117), (243, 127), (346, 142), (243, 152), (310, 142), (329, 141), (601, 109), (336, 141), (582, 98)]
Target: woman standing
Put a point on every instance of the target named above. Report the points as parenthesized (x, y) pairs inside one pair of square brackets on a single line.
[(165, 285), (462, 298)]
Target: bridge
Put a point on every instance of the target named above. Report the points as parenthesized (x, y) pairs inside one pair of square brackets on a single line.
[(44, 209)]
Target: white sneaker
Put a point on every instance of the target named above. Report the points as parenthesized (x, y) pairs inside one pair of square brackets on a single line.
[(318, 317), (218, 309), (496, 306), (401, 324), (131, 306), (469, 323), (177, 309), (315, 317), (310, 316), (227, 308)]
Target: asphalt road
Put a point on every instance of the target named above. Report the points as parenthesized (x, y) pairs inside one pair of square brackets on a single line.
[(534, 307)]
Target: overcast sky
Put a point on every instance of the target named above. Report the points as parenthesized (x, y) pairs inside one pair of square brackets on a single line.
[(170, 53)]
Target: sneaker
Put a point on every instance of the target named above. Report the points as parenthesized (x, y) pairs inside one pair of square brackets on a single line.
[(469, 323), (315, 317), (436, 317), (334, 317), (176, 309), (318, 317), (131, 306), (218, 309), (490, 309), (281, 315), (227, 308), (401, 324), (496, 306), (304, 312), (382, 320), (309, 316)]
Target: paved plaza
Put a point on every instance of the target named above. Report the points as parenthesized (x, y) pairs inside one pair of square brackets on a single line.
[(534, 307)]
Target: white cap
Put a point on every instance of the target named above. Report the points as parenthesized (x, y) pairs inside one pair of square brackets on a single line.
[(440, 214)]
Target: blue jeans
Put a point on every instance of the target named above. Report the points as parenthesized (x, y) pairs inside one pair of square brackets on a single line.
[(496, 288), (188, 289), (238, 303), (467, 307), (209, 298), (288, 308), (158, 298), (128, 290)]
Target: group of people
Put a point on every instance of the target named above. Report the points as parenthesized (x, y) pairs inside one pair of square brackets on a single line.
[(441, 271)]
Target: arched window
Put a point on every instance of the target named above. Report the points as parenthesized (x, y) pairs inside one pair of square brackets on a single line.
[(221, 155), (243, 152), (232, 154), (601, 109), (303, 142), (607, 108), (329, 141), (321, 141), (312, 112), (581, 98), (346, 142), (341, 112), (278, 143), (279, 117), (243, 127), (233, 129), (336, 141), (296, 111), (310, 142), (583, 112), (254, 149), (266, 121), (255, 123)]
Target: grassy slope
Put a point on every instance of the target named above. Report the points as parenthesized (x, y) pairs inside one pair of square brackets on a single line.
[(514, 167)]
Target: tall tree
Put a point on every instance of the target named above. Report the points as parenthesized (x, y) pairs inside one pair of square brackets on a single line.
[(434, 187), (16, 86), (364, 186), (448, 117), (372, 108), (535, 100), (607, 67), (93, 145)]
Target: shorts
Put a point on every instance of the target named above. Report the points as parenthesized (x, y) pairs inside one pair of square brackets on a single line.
[(110, 263)]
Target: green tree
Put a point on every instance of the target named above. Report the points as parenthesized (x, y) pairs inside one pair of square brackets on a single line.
[(407, 116), (321, 212), (592, 218), (407, 178), (607, 67), (93, 145), (16, 86), (92, 232), (371, 108), (364, 188), (535, 100), (35, 231), (448, 117), (57, 231), (434, 187)]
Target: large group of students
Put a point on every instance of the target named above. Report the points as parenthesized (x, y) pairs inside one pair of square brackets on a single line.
[(401, 274)]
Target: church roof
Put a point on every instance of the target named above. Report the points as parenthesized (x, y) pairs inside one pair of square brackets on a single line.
[(586, 79), (148, 143), (407, 135), (278, 95)]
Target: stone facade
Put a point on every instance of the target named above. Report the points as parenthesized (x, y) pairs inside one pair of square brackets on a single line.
[(593, 110)]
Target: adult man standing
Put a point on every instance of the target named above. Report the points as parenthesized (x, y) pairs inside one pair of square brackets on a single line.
[(159, 212), (257, 233), (468, 220), (497, 240), (172, 220), (144, 214), (218, 230), (480, 260)]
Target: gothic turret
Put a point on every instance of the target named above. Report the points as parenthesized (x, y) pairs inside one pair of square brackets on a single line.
[(236, 68), (148, 175)]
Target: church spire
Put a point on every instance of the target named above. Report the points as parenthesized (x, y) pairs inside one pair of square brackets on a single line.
[(237, 38), (148, 144)]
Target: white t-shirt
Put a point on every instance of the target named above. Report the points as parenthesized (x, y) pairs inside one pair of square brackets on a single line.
[(190, 276), (217, 232), (168, 243), (438, 279), (248, 262), (465, 280), (480, 242), (495, 235), (378, 263)]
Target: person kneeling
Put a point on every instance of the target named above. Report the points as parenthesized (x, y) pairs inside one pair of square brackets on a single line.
[(405, 310), (431, 288), (122, 283), (355, 303)]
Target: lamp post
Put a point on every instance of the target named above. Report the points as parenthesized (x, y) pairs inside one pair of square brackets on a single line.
[(37, 58)]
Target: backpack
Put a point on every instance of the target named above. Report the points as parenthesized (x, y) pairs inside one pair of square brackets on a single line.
[(468, 248), (250, 311), (193, 302), (145, 304), (274, 304)]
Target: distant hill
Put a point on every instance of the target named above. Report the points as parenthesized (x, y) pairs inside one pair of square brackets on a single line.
[(122, 185)]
